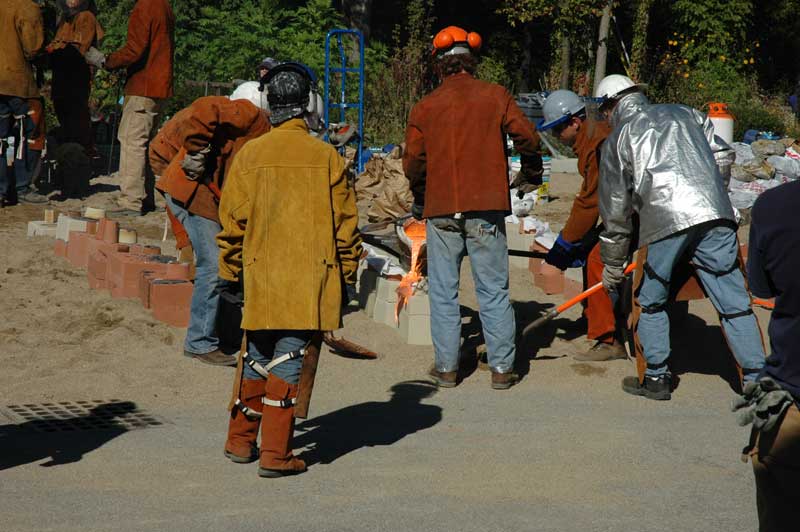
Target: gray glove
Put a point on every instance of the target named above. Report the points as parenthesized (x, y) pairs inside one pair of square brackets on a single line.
[(95, 57), (194, 164), (612, 277), (762, 404)]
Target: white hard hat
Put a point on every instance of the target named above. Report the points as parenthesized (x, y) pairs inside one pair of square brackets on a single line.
[(249, 91), (559, 107), (611, 87)]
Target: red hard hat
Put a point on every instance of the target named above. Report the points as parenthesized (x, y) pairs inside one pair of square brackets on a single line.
[(452, 35)]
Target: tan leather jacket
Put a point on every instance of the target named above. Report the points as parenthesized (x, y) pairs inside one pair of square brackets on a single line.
[(21, 38), (289, 222)]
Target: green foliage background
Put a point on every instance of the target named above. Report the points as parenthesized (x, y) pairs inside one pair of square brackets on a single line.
[(743, 52)]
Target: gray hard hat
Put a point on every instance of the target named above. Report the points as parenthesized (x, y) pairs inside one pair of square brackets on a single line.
[(560, 106)]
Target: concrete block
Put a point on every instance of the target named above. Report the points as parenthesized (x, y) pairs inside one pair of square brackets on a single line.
[(535, 266), (124, 269), (574, 274), (564, 166), (60, 248), (66, 224), (174, 272), (39, 228), (572, 288), (108, 231), (144, 249), (95, 245), (145, 278), (96, 270), (418, 305), (520, 241), (415, 329), (170, 301), (383, 312), (78, 249), (127, 236), (386, 289), (549, 279)]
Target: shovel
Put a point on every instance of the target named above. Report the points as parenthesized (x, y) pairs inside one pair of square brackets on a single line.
[(567, 304)]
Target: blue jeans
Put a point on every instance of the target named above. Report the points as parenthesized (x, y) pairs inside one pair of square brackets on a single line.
[(201, 337), (264, 345), (482, 236), (11, 108), (713, 249)]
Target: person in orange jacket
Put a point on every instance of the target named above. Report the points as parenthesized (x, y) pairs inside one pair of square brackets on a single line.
[(456, 165), (78, 30), (577, 244), (147, 57), (21, 39), (163, 148), (210, 134)]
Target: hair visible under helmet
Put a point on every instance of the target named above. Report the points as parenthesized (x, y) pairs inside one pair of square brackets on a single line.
[(455, 50), (288, 86)]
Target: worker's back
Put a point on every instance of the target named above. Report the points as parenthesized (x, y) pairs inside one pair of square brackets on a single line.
[(773, 263), (289, 193), (456, 144)]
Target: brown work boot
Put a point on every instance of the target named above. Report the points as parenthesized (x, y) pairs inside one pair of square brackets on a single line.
[(240, 446), (214, 358), (277, 430), (504, 381), (444, 379), (601, 352)]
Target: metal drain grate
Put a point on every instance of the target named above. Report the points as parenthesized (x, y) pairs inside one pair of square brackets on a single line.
[(67, 416)]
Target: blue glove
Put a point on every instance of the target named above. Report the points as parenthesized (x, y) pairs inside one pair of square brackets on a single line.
[(564, 254), (416, 211)]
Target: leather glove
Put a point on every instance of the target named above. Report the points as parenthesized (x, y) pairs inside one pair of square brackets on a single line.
[(95, 57), (564, 254), (417, 210), (612, 277), (194, 164), (530, 174), (762, 404)]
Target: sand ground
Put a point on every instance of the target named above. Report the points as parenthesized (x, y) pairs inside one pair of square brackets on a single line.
[(566, 449)]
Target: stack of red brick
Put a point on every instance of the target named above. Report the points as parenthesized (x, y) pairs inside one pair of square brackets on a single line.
[(130, 271)]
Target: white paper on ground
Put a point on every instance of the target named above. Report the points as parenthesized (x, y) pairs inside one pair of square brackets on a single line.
[(382, 262)]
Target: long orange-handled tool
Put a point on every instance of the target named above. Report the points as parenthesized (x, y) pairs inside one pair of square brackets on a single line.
[(567, 304), (765, 303)]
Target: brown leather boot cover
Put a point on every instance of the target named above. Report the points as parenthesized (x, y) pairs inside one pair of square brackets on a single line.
[(277, 429), (243, 431)]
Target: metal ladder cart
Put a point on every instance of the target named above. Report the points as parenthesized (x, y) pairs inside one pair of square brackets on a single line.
[(342, 104)]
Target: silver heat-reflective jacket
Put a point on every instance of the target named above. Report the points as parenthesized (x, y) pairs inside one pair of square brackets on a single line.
[(659, 161)]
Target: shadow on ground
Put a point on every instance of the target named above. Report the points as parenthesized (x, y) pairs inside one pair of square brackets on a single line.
[(473, 349), (333, 435), (701, 348), (22, 444)]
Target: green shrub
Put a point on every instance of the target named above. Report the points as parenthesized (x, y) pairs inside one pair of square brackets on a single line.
[(395, 87), (720, 81)]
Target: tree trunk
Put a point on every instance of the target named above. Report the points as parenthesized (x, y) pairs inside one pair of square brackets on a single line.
[(602, 46), (640, 26), (527, 58), (565, 63), (359, 15)]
